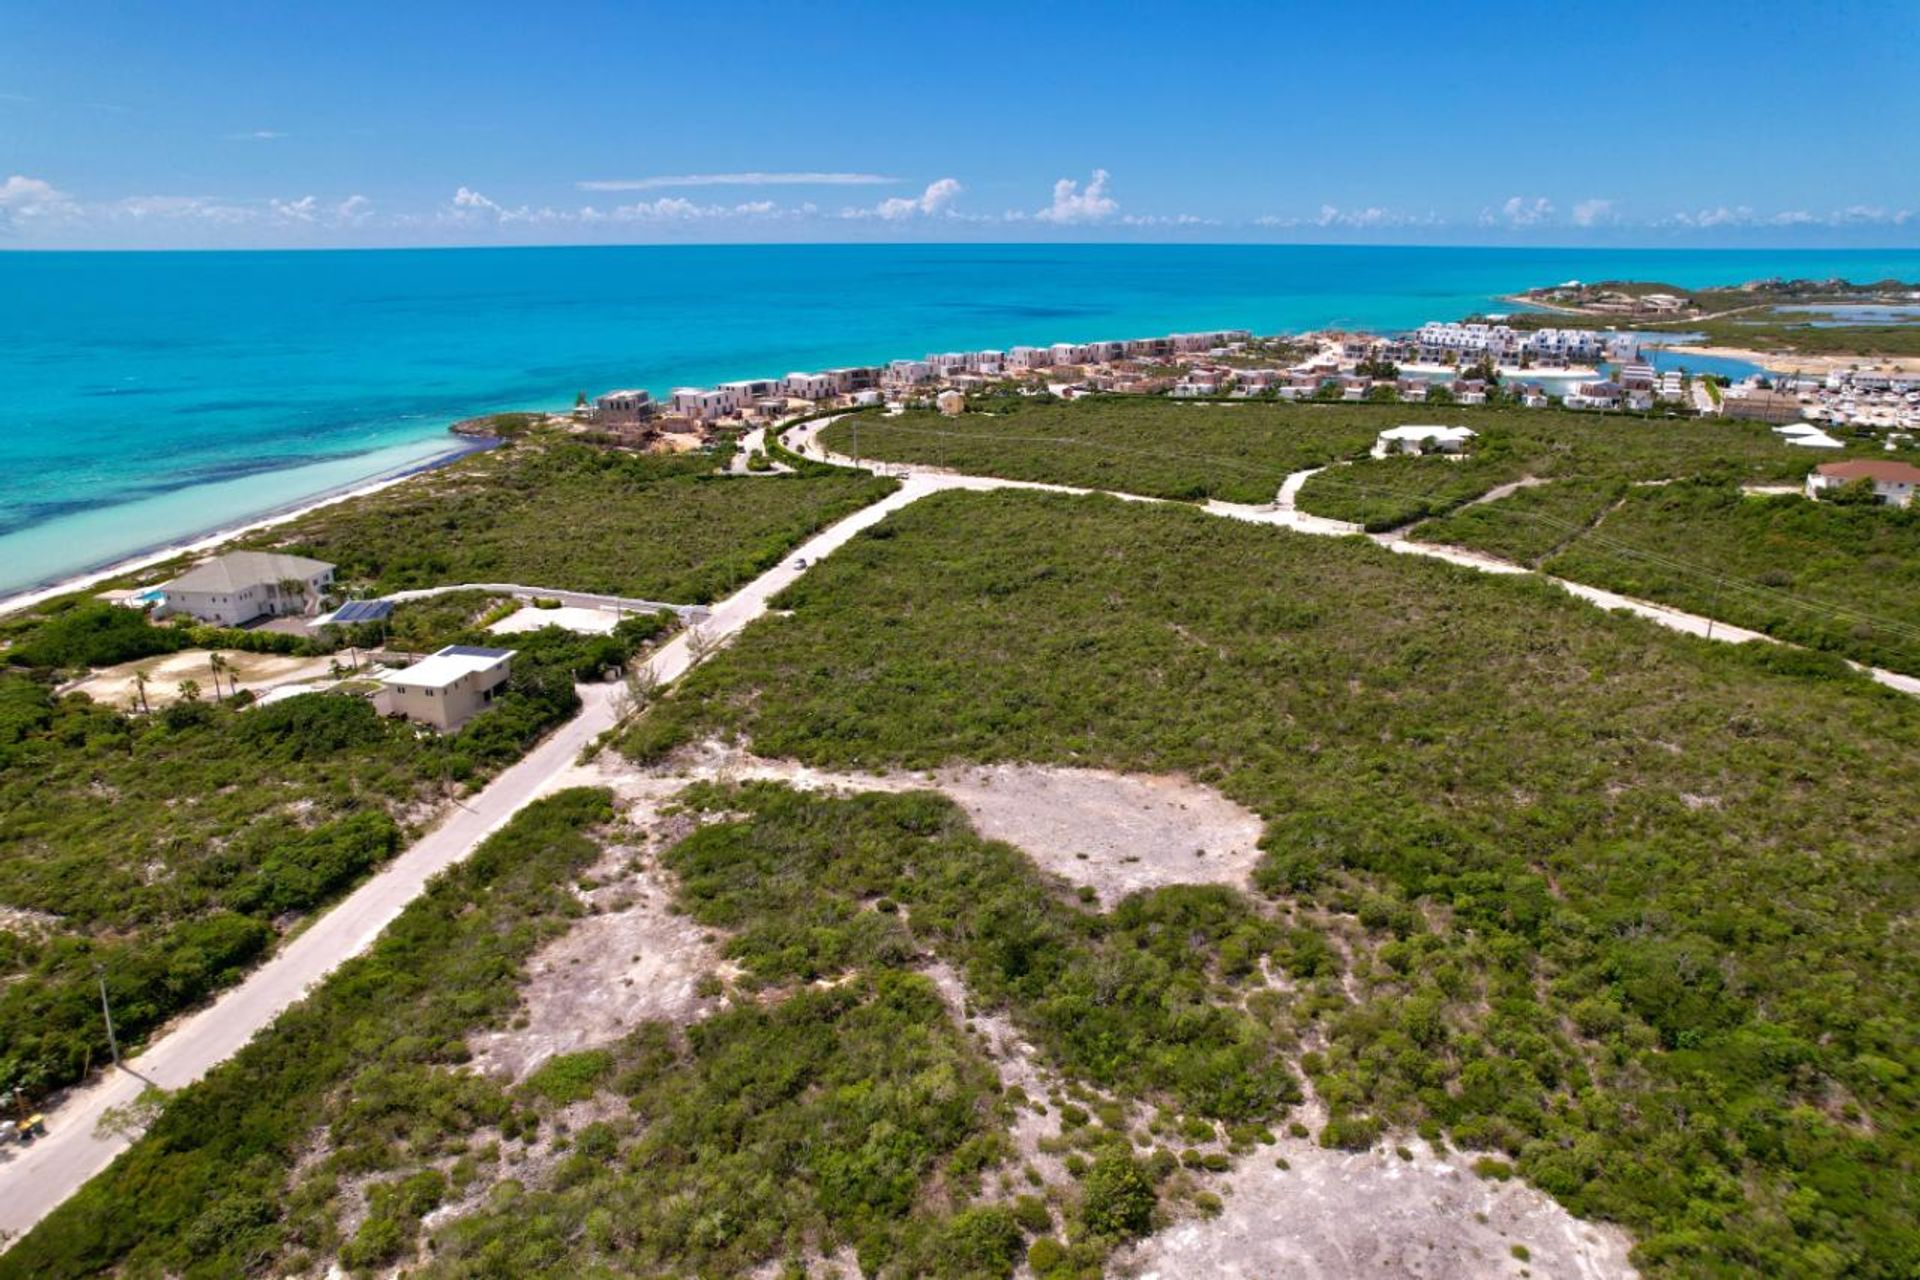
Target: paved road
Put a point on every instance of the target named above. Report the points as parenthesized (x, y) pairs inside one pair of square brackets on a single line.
[(33, 1180)]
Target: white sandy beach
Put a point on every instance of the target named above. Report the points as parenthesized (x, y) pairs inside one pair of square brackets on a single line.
[(1786, 361), (210, 541)]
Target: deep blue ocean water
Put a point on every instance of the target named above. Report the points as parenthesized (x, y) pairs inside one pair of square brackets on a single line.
[(151, 396)]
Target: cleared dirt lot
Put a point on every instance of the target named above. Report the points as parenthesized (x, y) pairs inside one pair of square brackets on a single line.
[(258, 672), (567, 617), (630, 961), (1336, 1214), (1116, 832)]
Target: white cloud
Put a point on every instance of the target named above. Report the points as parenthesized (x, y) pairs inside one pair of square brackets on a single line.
[(937, 199), (679, 209), (354, 210), (1857, 215), (1593, 212), (22, 192), (1167, 220), (305, 209), (1071, 204), (256, 135), (466, 198), (203, 209), (1519, 211), (737, 180)]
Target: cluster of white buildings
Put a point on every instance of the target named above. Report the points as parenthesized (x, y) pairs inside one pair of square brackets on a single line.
[(1449, 343), (1860, 399)]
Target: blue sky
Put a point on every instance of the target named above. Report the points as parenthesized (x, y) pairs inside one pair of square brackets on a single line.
[(204, 124)]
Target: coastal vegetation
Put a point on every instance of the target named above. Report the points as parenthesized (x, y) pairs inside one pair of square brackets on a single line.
[(1128, 444), (1241, 451), (550, 512), (1601, 452), (1617, 906), (203, 1193), (837, 1103), (1833, 575), (164, 854)]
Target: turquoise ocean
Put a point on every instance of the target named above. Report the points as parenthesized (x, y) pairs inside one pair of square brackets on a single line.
[(149, 397)]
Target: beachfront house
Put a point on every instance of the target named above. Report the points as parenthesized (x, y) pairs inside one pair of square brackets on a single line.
[(238, 587), (447, 688), (808, 386), (617, 410), (701, 404), (1894, 483), (1419, 439)]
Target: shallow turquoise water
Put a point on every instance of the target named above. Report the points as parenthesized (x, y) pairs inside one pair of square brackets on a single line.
[(151, 396)]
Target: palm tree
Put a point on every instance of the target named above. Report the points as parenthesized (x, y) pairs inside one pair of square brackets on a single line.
[(190, 691), (140, 689), (217, 663)]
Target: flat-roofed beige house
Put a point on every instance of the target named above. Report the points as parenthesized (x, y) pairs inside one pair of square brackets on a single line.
[(448, 688), (243, 585)]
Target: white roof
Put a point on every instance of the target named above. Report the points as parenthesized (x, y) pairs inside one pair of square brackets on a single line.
[(448, 665), (1427, 433), (239, 569), (1817, 440)]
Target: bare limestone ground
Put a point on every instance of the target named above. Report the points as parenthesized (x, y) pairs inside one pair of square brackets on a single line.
[(630, 961), (1116, 833), (1337, 1214), (1327, 1214)]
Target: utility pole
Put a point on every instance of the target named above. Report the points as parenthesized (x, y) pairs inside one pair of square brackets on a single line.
[(113, 1043)]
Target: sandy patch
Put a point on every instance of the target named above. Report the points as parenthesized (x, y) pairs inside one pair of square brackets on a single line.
[(1120, 833), (1117, 832), (257, 672), (1337, 1214), (1018, 1065), (630, 962), (593, 622)]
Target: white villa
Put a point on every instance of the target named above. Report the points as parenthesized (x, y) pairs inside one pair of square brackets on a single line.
[(240, 586), (1416, 440)]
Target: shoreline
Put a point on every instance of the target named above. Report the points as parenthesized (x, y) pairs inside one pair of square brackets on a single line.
[(212, 539), (1787, 361)]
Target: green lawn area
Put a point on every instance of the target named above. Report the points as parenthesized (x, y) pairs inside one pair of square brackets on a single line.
[(1128, 444), (552, 513), (1622, 904)]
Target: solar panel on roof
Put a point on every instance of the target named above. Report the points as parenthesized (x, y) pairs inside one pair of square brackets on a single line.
[(475, 651), (364, 611)]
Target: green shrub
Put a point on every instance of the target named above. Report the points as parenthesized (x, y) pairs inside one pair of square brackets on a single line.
[(569, 1077), (1117, 1198)]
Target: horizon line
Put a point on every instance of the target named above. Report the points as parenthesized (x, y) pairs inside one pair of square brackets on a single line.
[(969, 244)]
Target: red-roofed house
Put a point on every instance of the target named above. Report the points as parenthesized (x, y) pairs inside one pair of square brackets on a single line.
[(1894, 483)]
